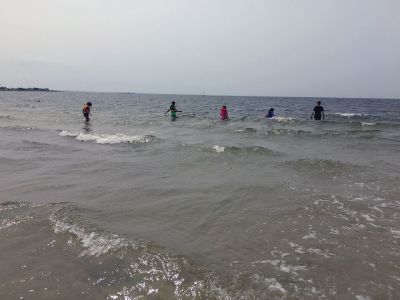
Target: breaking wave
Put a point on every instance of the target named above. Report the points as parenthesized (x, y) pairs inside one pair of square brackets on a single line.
[(146, 269)]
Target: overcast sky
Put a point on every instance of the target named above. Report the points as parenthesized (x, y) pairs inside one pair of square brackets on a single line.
[(342, 48)]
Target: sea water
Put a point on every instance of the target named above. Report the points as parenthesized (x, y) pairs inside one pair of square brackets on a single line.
[(135, 206)]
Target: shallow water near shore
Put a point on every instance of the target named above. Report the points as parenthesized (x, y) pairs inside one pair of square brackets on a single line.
[(135, 206)]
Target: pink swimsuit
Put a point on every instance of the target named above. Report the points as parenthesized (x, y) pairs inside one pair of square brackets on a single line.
[(223, 113)]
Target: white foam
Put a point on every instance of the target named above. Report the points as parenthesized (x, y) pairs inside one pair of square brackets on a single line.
[(68, 133), (291, 269), (367, 124), (361, 297), (334, 231), (9, 222), (282, 119), (116, 138), (299, 249), (368, 217), (218, 148), (94, 243), (348, 115), (311, 235), (396, 233), (274, 262), (274, 285), (318, 252), (377, 209)]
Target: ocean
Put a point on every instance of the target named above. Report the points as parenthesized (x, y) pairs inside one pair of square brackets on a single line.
[(136, 206)]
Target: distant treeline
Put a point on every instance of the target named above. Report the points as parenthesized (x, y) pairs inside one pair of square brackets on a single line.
[(19, 89)]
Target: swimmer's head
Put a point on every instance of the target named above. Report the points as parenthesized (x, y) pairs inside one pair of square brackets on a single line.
[(224, 106), (319, 102), (89, 104), (173, 102)]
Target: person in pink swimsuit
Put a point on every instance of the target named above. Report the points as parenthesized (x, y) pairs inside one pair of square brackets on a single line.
[(223, 113)]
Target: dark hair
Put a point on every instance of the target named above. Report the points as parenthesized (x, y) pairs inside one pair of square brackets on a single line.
[(89, 103), (271, 109), (173, 102), (319, 102), (224, 106)]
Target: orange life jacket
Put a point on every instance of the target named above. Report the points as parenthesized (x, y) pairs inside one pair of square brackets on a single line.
[(86, 109)]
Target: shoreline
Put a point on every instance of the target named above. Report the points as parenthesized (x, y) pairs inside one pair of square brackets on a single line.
[(19, 89)]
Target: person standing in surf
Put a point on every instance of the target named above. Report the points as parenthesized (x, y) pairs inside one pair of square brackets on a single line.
[(223, 113), (86, 111), (318, 112), (173, 111), (270, 114)]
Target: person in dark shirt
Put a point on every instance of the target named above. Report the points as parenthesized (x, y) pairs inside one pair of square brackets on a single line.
[(318, 112), (270, 114), (173, 110)]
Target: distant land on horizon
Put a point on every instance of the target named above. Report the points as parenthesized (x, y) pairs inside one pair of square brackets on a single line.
[(20, 89)]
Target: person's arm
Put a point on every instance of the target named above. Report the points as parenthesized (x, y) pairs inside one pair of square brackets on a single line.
[(312, 115), (167, 111), (323, 115)]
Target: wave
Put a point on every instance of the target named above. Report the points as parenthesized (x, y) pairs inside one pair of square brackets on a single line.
[(148, 269), (94, 243), (116, 138)]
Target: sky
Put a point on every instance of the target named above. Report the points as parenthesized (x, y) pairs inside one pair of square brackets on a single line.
[(319, 48)]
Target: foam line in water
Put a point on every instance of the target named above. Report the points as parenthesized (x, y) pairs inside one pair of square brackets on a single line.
[(116, 138), (349, 115), (282, 119)]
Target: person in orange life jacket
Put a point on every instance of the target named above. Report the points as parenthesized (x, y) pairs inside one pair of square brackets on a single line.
[(86, 111)]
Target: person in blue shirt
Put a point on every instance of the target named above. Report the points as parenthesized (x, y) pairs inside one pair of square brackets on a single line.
[(270, 113)]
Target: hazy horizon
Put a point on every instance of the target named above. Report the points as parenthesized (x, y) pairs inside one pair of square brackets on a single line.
[(259, 48)]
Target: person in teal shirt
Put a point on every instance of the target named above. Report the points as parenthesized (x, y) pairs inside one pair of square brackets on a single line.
[(173, 111)]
